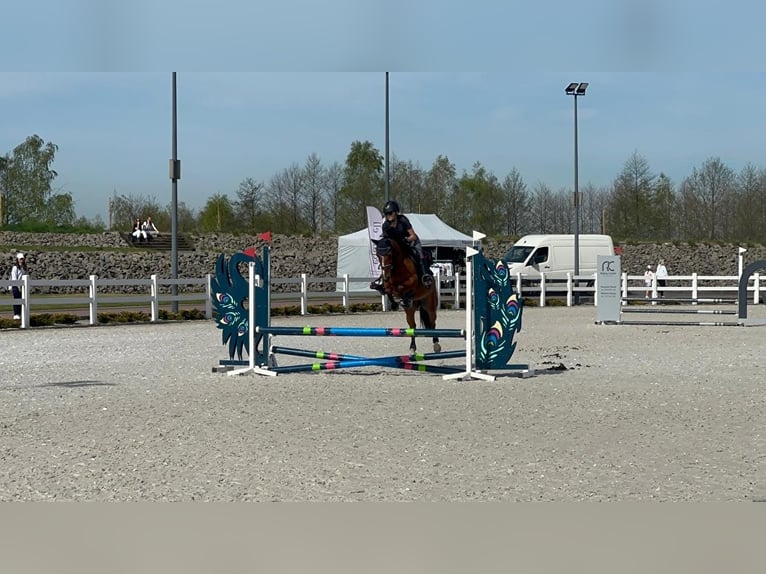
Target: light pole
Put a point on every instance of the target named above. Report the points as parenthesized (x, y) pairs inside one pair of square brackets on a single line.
[(175, 175), (388, 176), (576, 89)]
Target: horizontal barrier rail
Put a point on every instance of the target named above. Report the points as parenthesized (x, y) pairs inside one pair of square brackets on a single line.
[(361, 332), (683, 311), (344, 357)]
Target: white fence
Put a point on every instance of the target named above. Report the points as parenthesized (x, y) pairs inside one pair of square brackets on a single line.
[(296, 291), (91, 297)]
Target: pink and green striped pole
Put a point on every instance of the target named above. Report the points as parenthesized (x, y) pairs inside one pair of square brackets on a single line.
[(362, 332)]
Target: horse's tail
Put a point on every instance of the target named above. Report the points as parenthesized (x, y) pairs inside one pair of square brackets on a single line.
[(425, 318)]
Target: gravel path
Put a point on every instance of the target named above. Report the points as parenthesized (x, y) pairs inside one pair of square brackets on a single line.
[(135, 412)]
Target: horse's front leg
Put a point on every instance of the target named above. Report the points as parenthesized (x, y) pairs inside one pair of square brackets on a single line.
[(411, 324)]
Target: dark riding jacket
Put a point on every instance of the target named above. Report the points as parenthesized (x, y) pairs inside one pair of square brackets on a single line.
[(398, 231)]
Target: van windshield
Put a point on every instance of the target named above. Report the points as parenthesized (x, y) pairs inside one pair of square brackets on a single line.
[(518, 254)]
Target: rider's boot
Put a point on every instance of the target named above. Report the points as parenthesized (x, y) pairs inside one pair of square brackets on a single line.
[(425, 274)]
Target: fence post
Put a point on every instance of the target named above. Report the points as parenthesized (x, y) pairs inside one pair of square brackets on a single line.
[(154, 298), (346, 294), (595, 289), (518, 285), (624, 280), (542, 289), (438, 279), (570, 287), (209, 297), (304, 295), (25, 292), (93, 296), (756, 288), (694, 288), (654, 288)]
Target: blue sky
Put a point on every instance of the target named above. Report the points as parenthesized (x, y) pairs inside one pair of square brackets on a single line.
[(114, 129), (92, 76)]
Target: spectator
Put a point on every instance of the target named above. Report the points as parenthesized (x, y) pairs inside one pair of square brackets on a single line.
[(648, 280), (138, 234), (662, 276), (149, 228), (17, 272)]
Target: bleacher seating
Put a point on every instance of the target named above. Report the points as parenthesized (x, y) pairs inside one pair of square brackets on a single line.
[(161, 242)]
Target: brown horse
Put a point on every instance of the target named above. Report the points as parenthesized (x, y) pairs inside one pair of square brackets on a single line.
[(402, 284)]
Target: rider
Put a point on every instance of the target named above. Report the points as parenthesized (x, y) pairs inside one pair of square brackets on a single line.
[(398, 228)]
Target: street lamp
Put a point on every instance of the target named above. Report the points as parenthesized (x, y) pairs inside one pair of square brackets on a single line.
[(576, 89), (388, 176)]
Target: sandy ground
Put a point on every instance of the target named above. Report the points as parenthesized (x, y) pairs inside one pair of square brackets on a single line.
[(135, 412)]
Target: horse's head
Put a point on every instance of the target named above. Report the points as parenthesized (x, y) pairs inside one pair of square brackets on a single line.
[(385, 252)]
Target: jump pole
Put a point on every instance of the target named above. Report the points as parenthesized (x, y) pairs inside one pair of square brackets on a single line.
[(335, 360)]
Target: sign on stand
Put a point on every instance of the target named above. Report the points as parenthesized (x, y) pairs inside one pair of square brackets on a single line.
[(609, 293)]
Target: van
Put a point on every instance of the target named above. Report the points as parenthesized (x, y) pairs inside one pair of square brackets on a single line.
[(554, 255)]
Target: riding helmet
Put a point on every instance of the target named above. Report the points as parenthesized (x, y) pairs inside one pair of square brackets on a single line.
[(391, 207)]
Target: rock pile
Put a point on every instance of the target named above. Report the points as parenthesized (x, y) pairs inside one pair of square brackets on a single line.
[(291, 256)]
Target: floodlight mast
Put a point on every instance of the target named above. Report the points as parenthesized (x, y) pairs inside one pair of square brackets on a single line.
[(576, 89)]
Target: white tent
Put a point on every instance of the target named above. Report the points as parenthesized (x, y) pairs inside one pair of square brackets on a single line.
[(354, 248)]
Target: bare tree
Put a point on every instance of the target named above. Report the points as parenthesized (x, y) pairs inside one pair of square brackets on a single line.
[(750, 209), (541, 209), (593, 209), (313, 193), (286, 200), (333, 184), (709, 191), (248, 207)]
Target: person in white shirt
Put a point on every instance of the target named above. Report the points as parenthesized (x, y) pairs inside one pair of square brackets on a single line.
[(149, 228), (17, 272), (662, 276), (138, 233), (648, 279)]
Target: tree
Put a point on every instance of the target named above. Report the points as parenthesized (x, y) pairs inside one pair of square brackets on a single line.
[(25, 180), (706, 195), (314, 193), (664, 210), (333, 185), (515, 208), (481, 198), (362, 186), (408, 186), (751, 208), (541, 209), (286, 199), (630, 209), (440, 182), (218, 214), (60, 210), (593, 209), (248, 207)]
